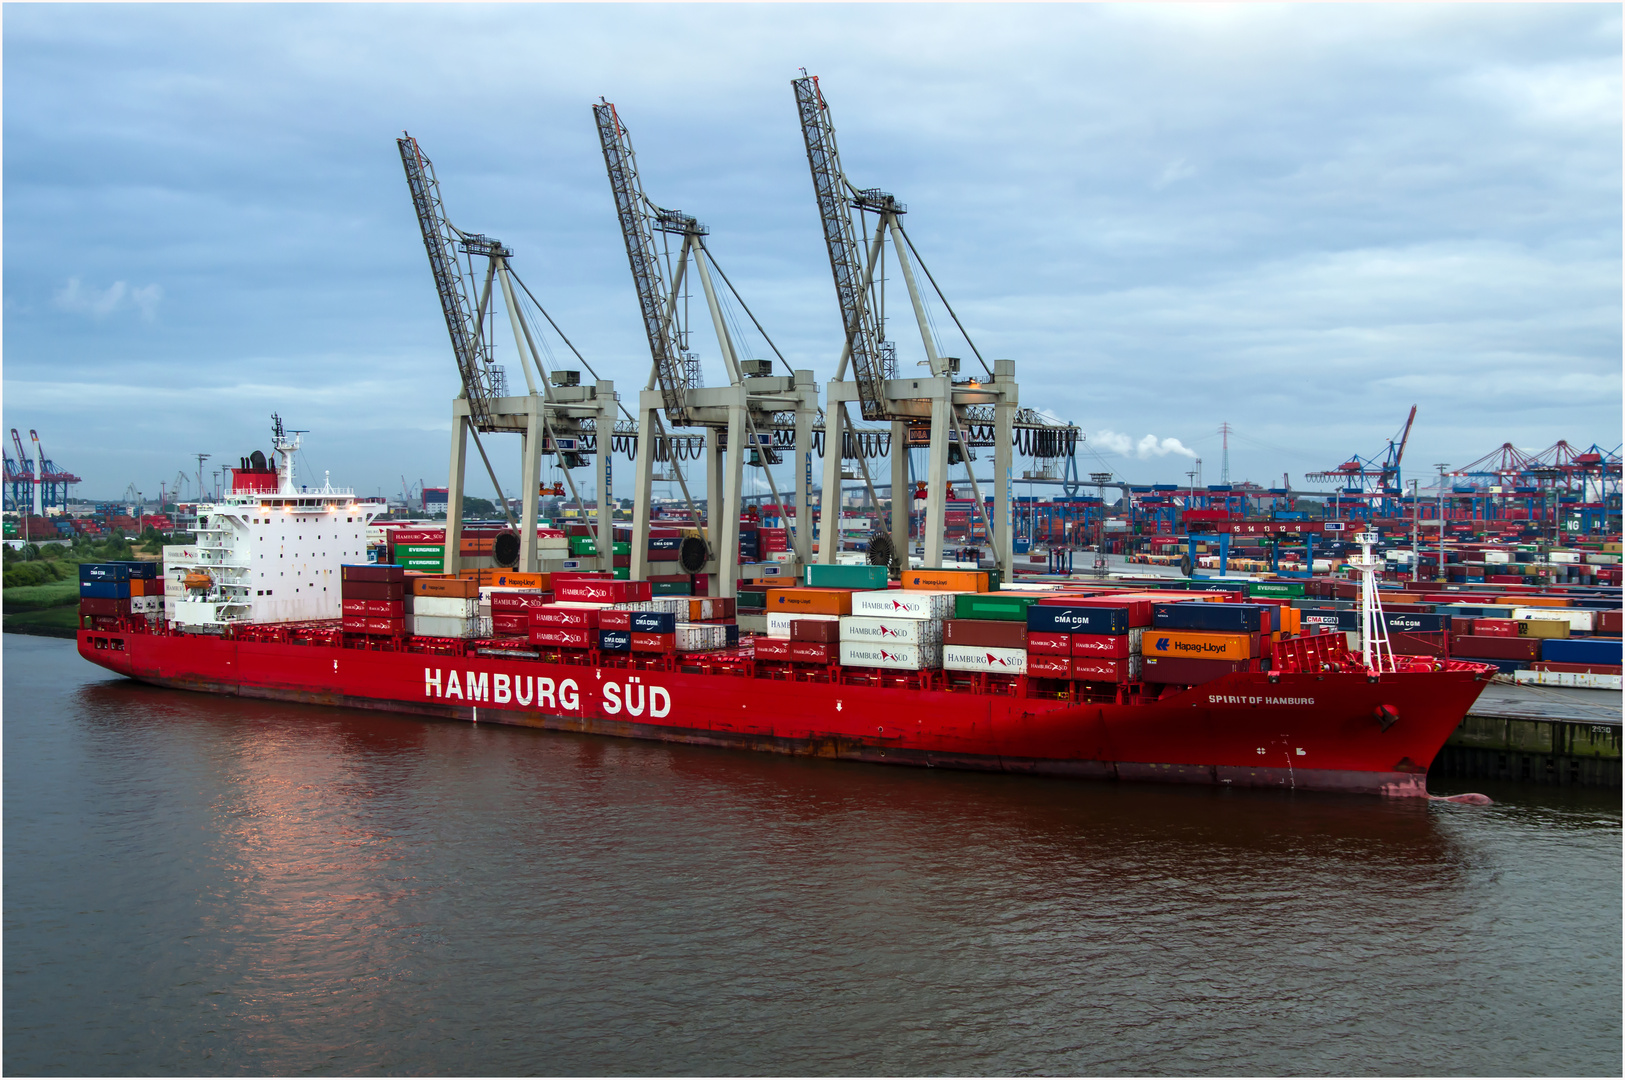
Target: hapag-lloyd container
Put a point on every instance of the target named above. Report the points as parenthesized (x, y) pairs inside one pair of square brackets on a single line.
[(1199, 646), (898, 657), (904, 604), (984, 658), (904, 631)]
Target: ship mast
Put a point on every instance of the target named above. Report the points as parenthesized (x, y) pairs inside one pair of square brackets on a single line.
[(1375, 651)]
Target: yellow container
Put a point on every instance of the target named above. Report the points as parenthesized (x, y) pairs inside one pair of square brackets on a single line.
[(946, 580), (808, 601), (1197, 646), (1543, 628), (1534, 601)]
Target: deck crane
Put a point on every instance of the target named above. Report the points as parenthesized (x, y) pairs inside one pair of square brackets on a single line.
[(564, 418), (939, 410), (756, 410)]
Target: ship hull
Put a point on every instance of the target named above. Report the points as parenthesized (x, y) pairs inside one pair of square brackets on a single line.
[(1336, 731)]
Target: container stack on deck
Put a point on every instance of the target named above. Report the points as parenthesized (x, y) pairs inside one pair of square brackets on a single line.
[(115, 590)]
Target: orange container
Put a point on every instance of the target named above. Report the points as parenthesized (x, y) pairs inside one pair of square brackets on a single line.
[(811, 601), (946, 580), (445, 586), (479, 577), (138, 587), (473, 547), (510, 579), (1197, 646), (1514, 600)]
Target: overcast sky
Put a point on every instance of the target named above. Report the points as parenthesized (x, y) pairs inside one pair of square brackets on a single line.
[(1299, 220)]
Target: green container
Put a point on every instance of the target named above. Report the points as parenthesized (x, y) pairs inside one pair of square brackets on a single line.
[(821, 576), (583, 545), (420, 550), (621, 547), (432, 567), (623, 573), (1009, 607), (1275, 588), (752, 599), (671, 588)]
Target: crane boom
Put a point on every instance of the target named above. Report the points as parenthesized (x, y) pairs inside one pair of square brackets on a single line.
[(441, 239), (1404, 437), (846, 257), (675, 374)]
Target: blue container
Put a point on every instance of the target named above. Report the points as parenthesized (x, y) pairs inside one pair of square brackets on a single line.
[(145, 571), (614, 641), (665, 543), (1054, 619), (653, 622), (1581, 650), (733, 634), (105, 571), (1212, 618), (105, 590), (1330, 619)]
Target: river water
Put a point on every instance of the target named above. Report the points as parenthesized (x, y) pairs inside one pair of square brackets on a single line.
[(201, 885)]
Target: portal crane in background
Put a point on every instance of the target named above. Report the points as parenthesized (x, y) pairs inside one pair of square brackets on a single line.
[(1374, 482), (757, 411), (562, 417), (19, 478), (51, 483), (939, 410)]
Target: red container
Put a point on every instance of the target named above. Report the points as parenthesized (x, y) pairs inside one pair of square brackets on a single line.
[(353, 607), (355, 624), (1139, 608), (374, 590), (1610, 622), (1418, 644), (511, 624), (389, 627), (1494, 628), (813, 652), (615, 620), (656, 643), (1048, 666), (1101, 646), (563, 637), (379, 572), (1495, 648), (571, 618), (814, 631), (385, 609), (1044, 643), (599, 591), (517, 602), (1188, 672), (1096, 670), (985, 633), (104, 605), (773, 648)]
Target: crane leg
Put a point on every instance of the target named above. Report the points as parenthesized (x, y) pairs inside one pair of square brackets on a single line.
[(650, 402), (936, 502), (724, 584), (829, 501), (902, 499), (454, 486), (604, 473), (529, 485), (806, 411)]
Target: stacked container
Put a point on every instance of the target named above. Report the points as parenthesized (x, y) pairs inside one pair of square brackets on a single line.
[(104, 592), (1190, 644), (1086, 640), (372, 599), (893, 629)]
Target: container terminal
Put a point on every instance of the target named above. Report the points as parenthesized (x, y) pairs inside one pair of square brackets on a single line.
[(1271, 637)]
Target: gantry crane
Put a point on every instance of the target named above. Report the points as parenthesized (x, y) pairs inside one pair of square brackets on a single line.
[(19, 478), (1375, 478), (940, 411), (753, 415), (51, 483), (564, 418)]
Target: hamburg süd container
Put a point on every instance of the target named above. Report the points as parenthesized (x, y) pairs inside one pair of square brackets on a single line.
[(886, 655), (903, 631), (984, 658)]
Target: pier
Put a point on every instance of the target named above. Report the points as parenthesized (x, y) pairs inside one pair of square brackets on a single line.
[(1537, 734)]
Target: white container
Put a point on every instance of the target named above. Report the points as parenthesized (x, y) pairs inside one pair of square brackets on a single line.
[(904, 604), (1564, 556), (1497, 556), (701, 637), (778, 622), (438, 626), (671, 605), (1601, 558), (446, 607), (1577, 618), (903, 631), (897, 657), (1581, 679), (980, 658), (146, 605)]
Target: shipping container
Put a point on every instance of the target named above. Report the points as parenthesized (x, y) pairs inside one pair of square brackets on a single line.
[(1077, 620), (903, 631), (446, 627), (1184, 671), (984, 658), (558, 615), (446, 607), (1197, 645), (869, 654), (968, 581), (994, 633), (1002, 605), (438, 586), (905, 604), (1581, 650), (826, 630), (1212, 618), (561, 637), (814, 652), (834, 576), (811, 601)]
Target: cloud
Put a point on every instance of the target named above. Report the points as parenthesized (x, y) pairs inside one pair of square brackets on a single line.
[(81, 299), (1145, 449)]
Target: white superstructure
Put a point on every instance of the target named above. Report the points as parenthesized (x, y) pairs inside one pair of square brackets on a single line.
[(270, 557)]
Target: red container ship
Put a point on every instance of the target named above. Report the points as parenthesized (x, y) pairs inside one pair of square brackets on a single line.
[(319, 629), (1337, 728)]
